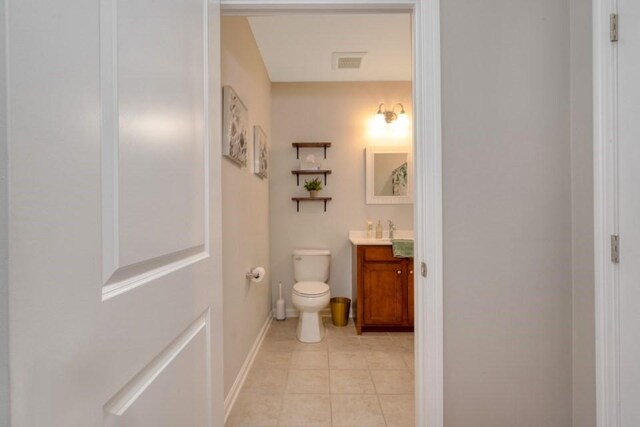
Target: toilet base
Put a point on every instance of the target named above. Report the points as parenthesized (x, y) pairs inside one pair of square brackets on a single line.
[(310, 327)]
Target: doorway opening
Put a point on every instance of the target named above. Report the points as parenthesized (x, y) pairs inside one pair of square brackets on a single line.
[(336, 126)]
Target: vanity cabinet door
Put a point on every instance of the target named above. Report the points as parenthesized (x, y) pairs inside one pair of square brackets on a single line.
[(384, 293)]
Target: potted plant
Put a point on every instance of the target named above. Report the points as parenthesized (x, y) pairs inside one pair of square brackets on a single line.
[(313, 187)]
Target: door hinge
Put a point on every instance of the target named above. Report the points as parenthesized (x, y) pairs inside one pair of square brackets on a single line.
[(613, 27), (423, 269), (615, 248)]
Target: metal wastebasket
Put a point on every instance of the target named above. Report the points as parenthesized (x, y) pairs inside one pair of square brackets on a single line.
[(340, 310)]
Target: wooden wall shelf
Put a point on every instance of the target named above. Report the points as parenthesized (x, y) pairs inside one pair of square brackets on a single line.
[(297, 173), (310, 199), (299, 145)]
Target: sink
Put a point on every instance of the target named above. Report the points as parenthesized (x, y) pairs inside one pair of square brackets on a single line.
[(359, 237)]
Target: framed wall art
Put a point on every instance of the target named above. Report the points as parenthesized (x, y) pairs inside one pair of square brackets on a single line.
[(235, 127), (260, 153)]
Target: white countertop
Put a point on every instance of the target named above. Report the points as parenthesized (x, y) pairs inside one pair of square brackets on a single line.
[(359, 237)]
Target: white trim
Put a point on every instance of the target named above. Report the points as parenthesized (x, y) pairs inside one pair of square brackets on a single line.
[(370, 153), (267, 7), (232, 396), (292, 312), (214, 108), (605, 164), (427, 154), (289, 312), (429, 321)]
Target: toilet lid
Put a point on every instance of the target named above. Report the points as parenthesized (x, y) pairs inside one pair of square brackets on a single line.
[(311, 288)]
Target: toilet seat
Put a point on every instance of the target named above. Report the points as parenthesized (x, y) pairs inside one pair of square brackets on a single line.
[(311, 289)]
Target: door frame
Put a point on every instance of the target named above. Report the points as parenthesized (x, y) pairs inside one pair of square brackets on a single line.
[(605, 187), (429, 348)]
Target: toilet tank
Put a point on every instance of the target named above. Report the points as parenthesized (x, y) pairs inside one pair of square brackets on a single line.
[(311, 265)]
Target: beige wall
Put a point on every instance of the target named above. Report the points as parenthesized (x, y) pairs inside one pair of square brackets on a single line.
[(584, 382), (340, 113), (507, 213), (245, 203)]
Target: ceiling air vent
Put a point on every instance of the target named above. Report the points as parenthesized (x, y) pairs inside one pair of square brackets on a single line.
[(348, 60)]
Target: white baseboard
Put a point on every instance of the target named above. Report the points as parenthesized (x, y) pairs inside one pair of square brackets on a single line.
[(292, 312), (230, 400)]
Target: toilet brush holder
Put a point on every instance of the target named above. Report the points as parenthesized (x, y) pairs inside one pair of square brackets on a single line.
[(280, 309)]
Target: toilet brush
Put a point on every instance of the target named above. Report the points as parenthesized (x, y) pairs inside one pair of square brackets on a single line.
[(280, 312)]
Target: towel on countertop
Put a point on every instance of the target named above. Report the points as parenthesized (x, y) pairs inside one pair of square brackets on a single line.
[(402, 248)]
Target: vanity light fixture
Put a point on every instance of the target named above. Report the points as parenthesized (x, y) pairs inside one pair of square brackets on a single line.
[(390, 115)]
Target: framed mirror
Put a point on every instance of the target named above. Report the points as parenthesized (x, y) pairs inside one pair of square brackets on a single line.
[(389, 173)]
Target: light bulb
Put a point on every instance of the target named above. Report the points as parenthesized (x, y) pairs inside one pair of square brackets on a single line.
[(403, 120)]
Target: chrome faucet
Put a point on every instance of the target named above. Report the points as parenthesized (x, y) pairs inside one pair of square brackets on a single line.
[(392, 229)]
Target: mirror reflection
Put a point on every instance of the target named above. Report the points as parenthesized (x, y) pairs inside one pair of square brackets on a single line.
[(390, 174)]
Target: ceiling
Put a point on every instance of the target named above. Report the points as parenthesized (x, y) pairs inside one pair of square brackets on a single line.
[(299, 48)]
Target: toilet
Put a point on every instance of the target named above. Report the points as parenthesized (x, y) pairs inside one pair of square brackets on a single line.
[(311, 291)]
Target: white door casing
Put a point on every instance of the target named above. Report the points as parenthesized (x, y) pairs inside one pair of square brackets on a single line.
[(617, 212), (428, 172), (114, 271)]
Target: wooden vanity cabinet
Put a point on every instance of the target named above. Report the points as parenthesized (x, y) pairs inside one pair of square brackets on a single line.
[(383, 289)]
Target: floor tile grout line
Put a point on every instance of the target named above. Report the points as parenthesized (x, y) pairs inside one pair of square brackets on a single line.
[(326, 338), (384, 417), (330, 394)]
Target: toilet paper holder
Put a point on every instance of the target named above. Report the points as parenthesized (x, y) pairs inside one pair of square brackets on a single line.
[(255, 274)]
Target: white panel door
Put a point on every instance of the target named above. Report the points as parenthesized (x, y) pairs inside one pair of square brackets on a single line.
[(629, 209), (114, 248)]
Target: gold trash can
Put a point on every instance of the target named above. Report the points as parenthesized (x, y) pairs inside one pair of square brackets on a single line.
[(340, 310)]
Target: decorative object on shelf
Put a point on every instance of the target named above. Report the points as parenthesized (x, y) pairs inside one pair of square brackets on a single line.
[(390, 116), (235, 127), (260, 153), (313, 187), (310, 164)]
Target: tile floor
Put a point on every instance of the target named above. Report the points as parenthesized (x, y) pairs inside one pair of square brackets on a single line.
[(344, 381)]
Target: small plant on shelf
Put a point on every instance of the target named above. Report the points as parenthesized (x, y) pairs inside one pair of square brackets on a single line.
[(313, 187)]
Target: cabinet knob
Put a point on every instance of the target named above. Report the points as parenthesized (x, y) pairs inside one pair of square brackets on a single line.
[(399, 271), (411, 272)]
